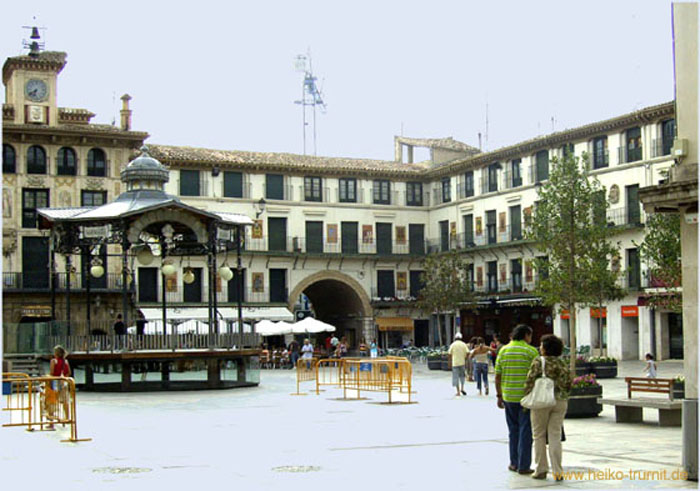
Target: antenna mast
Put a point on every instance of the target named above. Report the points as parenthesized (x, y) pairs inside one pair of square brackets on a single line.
[(310, 94)]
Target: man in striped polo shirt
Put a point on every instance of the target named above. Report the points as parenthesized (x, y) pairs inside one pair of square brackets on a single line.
[(512, 365)]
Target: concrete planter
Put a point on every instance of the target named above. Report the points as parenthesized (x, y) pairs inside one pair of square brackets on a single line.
[(583, 368), (434, 364), (583, 402), (604, 369), (679, 390)]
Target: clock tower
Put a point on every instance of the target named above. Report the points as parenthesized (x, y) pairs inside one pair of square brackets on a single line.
[(30, 86)]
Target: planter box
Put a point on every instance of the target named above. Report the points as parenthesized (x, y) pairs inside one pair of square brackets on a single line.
[(583, 369), (583, 402), (604, 370), (678, 391), (434, 364)]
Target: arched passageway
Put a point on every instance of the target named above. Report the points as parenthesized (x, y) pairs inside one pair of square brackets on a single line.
[(338, 300)]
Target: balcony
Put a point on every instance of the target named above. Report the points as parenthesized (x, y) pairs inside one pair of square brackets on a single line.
[(661, 147), (245, 191), (464, 190), (357, 198), (600, 159), (625, 217), (308, 196), (412, 200), (250, 296), (467, 241), (35, 282), (397, 296), (627, 155), (302, 245)]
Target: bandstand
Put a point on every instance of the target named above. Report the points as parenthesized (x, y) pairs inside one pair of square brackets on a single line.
[(147, 225)]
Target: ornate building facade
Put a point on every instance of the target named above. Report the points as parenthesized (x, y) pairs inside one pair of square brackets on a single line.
[(344, 238)]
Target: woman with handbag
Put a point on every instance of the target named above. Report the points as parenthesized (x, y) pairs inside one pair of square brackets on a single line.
[(547, 421)]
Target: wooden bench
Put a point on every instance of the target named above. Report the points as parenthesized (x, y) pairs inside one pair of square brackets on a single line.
[(630, 410)]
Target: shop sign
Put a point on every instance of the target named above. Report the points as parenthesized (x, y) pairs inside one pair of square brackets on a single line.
[(630, 311)]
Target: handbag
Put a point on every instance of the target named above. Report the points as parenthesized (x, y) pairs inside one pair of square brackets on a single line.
[(542, 394)]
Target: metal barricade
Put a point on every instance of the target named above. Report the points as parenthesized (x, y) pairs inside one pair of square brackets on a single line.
[(329, 371), (377, 375), (306, 372), (42, 402)]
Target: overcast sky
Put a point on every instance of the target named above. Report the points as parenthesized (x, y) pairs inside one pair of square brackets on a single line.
[(221, 74)]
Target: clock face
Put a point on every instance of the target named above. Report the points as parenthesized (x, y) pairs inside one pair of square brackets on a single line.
[(36, 90)]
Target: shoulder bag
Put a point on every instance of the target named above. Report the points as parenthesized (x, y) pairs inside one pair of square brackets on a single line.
[(542, 394)]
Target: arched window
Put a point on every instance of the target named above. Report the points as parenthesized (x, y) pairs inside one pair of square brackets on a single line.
[(65, 162), (36, 160), (97, 163), (8, 159)]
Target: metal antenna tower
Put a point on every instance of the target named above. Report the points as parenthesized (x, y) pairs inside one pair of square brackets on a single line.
[(310, 94)]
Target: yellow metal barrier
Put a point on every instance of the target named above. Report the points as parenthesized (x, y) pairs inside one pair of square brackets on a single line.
[(306, 372), (377, 375), (329, 371), (42, 402)]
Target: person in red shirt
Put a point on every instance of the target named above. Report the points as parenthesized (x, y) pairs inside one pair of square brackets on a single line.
[(56, 391), (328, 345)]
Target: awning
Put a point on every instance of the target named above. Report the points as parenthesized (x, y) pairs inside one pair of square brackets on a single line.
[(394, 323), (226, 313)]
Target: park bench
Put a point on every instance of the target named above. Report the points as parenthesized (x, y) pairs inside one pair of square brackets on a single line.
[(630, 410)]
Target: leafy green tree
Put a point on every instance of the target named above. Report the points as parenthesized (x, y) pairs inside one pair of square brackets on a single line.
[(566, 226), (445, 284), (661, 251)]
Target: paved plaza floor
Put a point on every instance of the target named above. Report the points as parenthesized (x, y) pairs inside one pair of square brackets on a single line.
[(264, 438)]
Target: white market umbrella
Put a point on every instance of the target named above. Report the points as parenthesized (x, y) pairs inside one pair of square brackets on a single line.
[(312, 326), (268, 328)]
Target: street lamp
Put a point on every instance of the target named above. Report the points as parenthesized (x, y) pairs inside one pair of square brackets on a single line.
[(188, 276), (168, 269), (259, 207), (97, 270)]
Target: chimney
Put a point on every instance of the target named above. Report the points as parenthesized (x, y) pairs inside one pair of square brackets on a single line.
[(125, 113)]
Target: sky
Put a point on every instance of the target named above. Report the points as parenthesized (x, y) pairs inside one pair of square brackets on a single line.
[(221, 74)]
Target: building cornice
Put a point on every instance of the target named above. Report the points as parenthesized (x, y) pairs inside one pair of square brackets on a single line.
[(25, 131), (46, 61)]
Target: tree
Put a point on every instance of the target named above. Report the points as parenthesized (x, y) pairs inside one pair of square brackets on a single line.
[(445, 284), (563, 226), (661, 251)]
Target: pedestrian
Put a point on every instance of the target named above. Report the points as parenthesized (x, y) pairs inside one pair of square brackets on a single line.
[(512, 364), (494, 350), (56, 392), (479, 355), (294, 352), (342, 349), (307, 351), (470, 364), (650, 368), (334, 344), (458, 357), (373, 351), (547, 422), (327, 344), (119, 331), (140, 324)]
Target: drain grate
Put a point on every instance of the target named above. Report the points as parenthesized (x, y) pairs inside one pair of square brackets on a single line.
[(121, 470), (297, 468)]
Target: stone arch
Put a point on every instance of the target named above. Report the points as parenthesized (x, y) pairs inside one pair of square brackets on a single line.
[(353, 284), (167, 216)]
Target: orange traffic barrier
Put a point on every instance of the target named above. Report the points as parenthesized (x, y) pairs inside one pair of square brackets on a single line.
[(42, 402), (306, 372)]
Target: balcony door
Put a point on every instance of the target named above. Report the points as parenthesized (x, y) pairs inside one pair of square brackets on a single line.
[(148, 284), (348, 237), (35, 262)]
